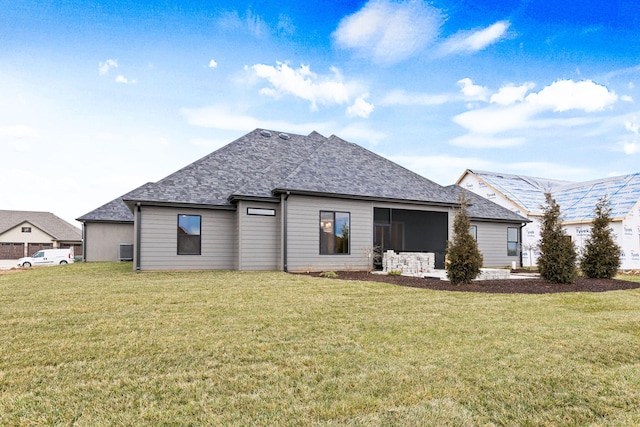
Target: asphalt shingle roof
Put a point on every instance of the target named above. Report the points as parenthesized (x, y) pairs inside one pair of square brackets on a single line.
[(54, 226), (113, 211), (265, 162), (484, 209)]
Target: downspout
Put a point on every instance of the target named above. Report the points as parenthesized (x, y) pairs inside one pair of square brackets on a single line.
[(138, 234), (284, 232), (84, 241), (520, 243)]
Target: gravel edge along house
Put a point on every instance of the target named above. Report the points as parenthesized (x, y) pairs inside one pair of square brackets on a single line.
[(277, 201), (524, 195)]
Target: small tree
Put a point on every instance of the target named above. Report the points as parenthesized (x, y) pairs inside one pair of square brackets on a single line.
[(601, 254), (463, 256), (557, 260)]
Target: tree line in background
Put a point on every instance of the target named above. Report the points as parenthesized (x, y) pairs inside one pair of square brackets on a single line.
[(558, 261)]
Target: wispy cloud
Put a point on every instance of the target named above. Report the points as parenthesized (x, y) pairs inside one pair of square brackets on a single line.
[(327, 90), (104, 67), (249, 23), (473, 41), (388, 31)]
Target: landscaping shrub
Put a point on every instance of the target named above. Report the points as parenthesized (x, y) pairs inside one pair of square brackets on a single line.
[(557, 261), (601, 255), (463, 256)]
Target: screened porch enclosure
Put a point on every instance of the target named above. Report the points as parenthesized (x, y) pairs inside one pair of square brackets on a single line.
[(405, 230)]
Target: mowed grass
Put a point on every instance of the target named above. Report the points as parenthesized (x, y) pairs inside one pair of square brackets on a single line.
[(97, 344)]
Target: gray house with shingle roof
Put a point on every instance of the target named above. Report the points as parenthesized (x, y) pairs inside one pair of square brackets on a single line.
[(275, 201), (23, 233)]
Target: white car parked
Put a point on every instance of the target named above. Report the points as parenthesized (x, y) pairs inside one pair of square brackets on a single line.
[(47, 257)]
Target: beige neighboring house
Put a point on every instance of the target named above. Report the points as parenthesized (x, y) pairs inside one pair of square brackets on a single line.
[(22, 233)]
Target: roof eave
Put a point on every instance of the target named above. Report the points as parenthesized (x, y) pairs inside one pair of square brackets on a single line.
[(237, 197), (505, 220), (132, 203), (362, 197)]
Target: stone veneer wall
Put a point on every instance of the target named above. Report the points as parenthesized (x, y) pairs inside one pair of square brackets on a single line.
[(414, 263)]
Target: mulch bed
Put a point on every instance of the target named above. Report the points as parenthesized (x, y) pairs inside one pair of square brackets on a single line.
[(507, 286)]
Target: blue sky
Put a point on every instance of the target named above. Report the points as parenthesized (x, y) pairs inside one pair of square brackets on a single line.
[(97, 98)]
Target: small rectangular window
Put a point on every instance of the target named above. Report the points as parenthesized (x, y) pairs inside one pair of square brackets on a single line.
[(189, 241), (474, 232), (335, 231), (26, 229), (512, 241), (261, 211)]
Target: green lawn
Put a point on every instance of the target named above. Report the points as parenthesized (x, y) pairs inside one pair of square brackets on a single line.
[(97, 344)]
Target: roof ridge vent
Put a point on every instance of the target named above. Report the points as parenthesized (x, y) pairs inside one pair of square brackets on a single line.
[(284, 135), (265, 133)]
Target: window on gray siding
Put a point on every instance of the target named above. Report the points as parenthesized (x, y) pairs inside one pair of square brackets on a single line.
[(189, 242), (474, 232), (512, 241), (335, 231)]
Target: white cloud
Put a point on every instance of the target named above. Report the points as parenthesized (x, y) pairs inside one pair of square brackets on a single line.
[(473, 92), (400, 97), (632, 126), (511, 94), (104, 67), (564, 95), (388, 31), (626, 98), (360, 108), (511, 110), (123, 79), (303, 83), (473, 41), (213, 64)]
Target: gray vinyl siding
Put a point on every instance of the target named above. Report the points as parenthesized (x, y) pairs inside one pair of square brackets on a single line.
[(492, 242), (258, 238), (159, 240), (303, 234), (102, 240)]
